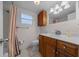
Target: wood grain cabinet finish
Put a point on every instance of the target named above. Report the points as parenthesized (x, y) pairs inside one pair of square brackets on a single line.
[(47, 46), (51, 47), (42, 46), (69, 48), (50, 52), (42, 18)]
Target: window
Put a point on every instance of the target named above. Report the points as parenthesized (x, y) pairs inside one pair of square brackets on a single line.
[(26, 19)]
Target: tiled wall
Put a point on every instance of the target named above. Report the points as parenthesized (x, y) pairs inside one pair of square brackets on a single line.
[(1, 28)]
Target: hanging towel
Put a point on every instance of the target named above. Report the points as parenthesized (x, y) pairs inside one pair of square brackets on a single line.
[(17, 46)]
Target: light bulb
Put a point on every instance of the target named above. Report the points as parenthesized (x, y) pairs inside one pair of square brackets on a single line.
[(66, 6), (55, 12), (36, 2), (51, 10), (57, 6), (60, 9), (64, 3)]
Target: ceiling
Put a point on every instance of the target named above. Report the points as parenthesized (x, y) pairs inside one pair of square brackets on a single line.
[(46, 5)]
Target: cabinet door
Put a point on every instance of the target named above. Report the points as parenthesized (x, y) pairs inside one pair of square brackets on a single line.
[(42, 18), (69, 49), (42, 45), (50, 52)]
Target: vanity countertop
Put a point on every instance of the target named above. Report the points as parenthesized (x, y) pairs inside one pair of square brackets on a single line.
[(71, 39)]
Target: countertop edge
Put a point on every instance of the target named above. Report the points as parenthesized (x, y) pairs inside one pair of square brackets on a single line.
[(60, 39)]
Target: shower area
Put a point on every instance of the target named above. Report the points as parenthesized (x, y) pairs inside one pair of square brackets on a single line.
[(6, 23), (10, 41), (1, 28)]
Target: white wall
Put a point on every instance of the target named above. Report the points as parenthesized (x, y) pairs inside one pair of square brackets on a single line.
[(77, 9), (1, 28), (71, 26), (24, 32)]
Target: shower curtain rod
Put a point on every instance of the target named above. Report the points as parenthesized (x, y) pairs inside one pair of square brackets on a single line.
[(6, 10)]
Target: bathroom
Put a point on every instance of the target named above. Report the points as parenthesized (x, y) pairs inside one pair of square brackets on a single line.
[(65, 23)]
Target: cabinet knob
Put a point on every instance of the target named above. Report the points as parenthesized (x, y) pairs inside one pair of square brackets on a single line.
[(64, 47), (56, 52)]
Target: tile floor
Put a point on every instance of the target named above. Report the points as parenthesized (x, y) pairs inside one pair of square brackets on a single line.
[(28, 52)]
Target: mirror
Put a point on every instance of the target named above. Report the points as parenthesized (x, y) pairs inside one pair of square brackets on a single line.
[(62, 11)]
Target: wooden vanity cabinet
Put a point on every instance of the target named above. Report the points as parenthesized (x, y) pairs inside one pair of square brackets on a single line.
[(51, 47), (42, 18), (47, 46)]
